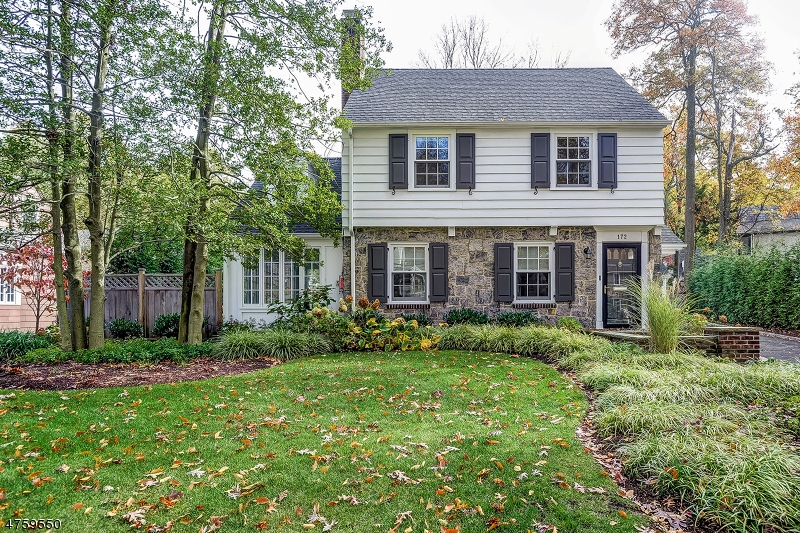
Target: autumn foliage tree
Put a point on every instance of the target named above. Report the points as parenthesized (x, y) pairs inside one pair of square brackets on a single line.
[(681, 35), (30, 271)]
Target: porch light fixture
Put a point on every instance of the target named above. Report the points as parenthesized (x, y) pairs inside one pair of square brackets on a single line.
[(587, 251)]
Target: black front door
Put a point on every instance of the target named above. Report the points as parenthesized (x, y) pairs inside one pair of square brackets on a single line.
[(621, 262)]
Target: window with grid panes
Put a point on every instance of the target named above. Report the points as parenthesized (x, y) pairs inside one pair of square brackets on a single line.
[(8, 294), (573, 160), (432, 162), (533, 272), (250, 281), (409, 273), (273, 277)]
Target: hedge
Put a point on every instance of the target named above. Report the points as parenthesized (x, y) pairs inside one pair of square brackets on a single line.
[(761, 289)]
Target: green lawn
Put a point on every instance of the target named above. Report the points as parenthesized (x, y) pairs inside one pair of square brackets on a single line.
[(437, 442)]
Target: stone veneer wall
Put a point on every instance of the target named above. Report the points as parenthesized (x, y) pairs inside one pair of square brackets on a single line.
[(654, 255), (471, 266)]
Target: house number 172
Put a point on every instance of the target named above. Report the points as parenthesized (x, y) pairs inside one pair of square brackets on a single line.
[(622, 236)]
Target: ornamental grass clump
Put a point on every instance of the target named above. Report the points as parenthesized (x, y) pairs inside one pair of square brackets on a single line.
[(741, 482), (280, 344), (667, 313)]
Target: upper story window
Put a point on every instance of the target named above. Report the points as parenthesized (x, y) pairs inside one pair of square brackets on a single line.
[(573, 160), (533, 274), (273, 277), (432, 162), (8, 294), (409, 273)]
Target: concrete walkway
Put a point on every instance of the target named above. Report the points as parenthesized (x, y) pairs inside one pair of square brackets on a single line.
[(783, 348)]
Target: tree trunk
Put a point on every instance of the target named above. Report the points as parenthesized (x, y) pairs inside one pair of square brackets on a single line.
[(725, 208), (95, 222), (72, 245), (691, 153), (195, 249), (55, 190), (58, 256)]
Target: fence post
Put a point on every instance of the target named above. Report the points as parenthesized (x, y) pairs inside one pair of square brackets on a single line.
[(141, 302), (218, 295)]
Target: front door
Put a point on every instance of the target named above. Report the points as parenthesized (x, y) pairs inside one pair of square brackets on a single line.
[(620, 263)]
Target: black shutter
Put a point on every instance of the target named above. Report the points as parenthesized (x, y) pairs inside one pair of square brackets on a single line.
[(465, 161), (565, 272), (438, 267), (377, 283), (540, 160), (607, 160), (398, 161), (503, 272)]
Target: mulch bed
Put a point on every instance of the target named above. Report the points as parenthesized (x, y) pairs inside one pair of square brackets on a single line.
[(70, 375)]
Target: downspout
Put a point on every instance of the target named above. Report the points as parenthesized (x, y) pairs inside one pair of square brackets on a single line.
[(350, 217)]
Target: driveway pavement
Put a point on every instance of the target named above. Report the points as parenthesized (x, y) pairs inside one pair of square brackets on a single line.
[(782, 348)]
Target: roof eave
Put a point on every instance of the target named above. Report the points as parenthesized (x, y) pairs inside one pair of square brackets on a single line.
[(518, 124)]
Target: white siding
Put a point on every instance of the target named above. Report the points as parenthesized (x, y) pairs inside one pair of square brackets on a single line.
[(330, 270), (503, 195)]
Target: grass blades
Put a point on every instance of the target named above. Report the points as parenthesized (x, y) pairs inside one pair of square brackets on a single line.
[(361, 437), (277, 343)]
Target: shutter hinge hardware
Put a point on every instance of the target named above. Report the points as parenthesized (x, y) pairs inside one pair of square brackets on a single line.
[(612, 190), (393, 191), (470, 191), (536, 190)]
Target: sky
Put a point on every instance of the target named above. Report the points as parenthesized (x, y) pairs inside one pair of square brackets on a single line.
[(560, 25)]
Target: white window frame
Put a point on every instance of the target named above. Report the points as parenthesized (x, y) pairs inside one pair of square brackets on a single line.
[(412, 161), (551, 256), (592, 134), (8, 289), (390, 277), (283, 262)]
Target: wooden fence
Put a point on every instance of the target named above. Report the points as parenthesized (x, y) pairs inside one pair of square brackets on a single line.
[(144, 297)]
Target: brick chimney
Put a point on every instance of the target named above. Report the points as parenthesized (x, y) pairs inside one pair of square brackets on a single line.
[(352, 21)]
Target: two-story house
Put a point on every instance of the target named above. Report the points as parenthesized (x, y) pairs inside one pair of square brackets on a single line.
[(488, 189)]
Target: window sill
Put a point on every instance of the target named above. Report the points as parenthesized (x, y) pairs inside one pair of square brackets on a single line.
[(533, 305), (408, 305)]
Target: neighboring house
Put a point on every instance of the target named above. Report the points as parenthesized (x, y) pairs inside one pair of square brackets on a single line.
[(15, 313), (500, 189), (767, 227)]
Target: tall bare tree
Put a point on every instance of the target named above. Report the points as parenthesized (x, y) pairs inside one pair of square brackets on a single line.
[(468, 43), (680, 34)]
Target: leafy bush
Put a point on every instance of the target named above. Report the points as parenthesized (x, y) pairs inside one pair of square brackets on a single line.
[(387, 335), (232, 325), (308, 299), (167, 325), (570, 324), (129, 351), (517, 319), (122, 328), (465, 316), (14, 344), (421, 318), (277, 343), (760, 289)]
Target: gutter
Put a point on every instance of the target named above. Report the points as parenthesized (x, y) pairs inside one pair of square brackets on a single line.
[(350, 216)]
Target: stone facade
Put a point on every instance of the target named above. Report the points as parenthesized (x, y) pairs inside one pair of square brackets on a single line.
[(654, 255), (471, 266)]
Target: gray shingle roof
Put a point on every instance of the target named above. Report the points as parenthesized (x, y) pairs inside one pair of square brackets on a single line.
[(668, 237), (489, 95), (767, 219)]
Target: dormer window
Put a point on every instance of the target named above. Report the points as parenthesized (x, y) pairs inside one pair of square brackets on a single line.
[(573, 160), (432, 161)]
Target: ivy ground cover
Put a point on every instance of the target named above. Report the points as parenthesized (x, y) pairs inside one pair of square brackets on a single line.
[(409, 442)]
